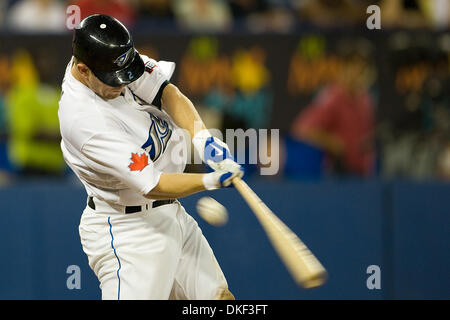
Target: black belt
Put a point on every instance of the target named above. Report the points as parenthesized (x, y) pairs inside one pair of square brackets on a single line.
[(134, 209)]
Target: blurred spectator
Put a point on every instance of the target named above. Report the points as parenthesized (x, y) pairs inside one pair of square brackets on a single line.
[(155, 15), (277, 19), (5, 167), (444, 163), (246, 12), (262, 15), (440, 13), (340, 121), (2, 12), (37, 16), (243, 9), (119, 9), (34, 141), (414, 137), (155, 9), (404, 13), (331, 13), (203, 15)]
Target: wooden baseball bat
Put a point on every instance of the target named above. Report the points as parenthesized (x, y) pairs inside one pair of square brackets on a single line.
[(304, 267)]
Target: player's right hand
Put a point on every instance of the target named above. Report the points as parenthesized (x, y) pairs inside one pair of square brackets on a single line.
[(221, 178)]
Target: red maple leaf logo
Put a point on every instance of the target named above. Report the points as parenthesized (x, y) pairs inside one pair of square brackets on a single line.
[(139, 162)]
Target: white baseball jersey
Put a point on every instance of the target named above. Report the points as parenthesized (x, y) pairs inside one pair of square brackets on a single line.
[(118, 148)]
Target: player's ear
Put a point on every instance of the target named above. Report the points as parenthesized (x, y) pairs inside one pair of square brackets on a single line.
[(83, 69)]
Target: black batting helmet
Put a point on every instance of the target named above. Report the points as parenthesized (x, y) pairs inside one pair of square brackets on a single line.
[(106, 47)]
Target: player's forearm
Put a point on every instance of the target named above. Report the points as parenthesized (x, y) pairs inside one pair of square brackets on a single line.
[(177, 185), (181, 110), (184, 114)]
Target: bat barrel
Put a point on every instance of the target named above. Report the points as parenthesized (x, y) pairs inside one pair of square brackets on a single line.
[(315, 280), (304, 267)]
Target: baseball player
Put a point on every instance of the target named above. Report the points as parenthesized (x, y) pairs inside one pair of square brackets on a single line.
[(121, 120)]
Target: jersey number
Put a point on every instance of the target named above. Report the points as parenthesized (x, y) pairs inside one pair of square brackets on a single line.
[(158, 137)]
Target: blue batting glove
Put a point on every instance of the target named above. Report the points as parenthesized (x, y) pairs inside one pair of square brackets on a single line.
[(215, 150)]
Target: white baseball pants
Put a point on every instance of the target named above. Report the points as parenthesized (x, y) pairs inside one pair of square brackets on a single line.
[(155, 254)]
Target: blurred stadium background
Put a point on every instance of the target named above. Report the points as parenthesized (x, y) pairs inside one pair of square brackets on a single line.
[(364, 120)]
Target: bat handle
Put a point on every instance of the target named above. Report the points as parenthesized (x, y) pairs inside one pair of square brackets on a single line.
[(238, 182)]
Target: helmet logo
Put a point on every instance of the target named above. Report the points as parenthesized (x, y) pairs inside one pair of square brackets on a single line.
[(123, 59)]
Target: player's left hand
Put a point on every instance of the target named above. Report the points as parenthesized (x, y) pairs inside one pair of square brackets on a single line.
[(210, 148), (215, 153), (215, 150), (217, 156)]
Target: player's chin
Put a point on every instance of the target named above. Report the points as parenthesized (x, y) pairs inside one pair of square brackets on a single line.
[(112, 94)]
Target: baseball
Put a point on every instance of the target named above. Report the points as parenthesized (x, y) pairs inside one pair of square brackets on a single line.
[(212, 211)]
